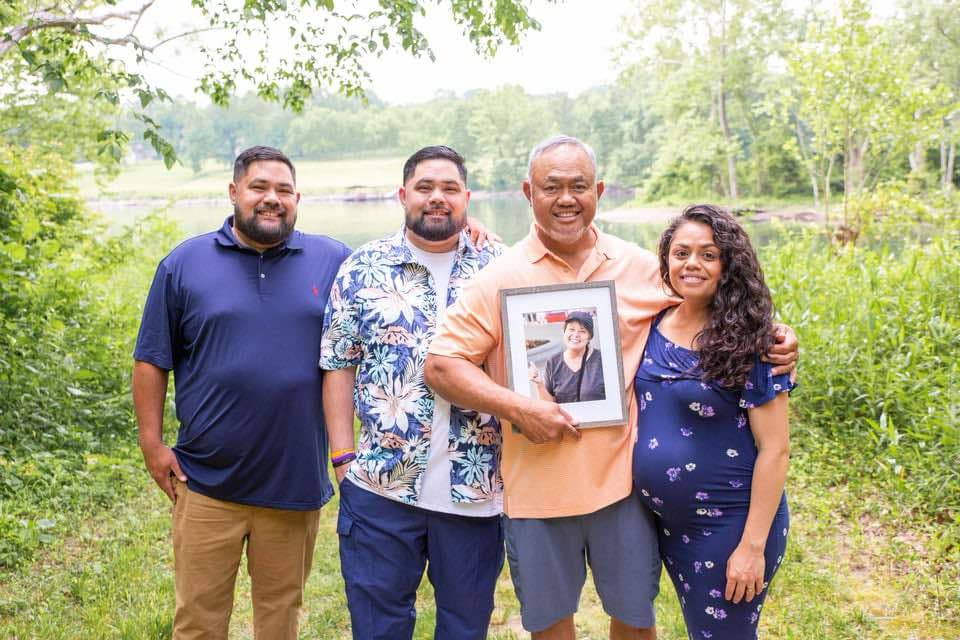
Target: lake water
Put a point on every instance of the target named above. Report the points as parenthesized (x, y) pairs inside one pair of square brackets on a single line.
[(354, 223)]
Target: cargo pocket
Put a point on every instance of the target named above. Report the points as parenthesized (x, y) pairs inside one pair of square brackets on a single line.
[(344, 522)]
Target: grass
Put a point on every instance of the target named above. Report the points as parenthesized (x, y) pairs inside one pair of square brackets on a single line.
[(151, 180), (851, 573)]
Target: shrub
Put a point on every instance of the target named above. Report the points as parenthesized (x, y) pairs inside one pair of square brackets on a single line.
[(68, 320), (880, 336)]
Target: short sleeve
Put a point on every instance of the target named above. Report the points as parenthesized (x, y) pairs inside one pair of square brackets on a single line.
[(762, 386), (340, 343), (471, 326), (157, 339)]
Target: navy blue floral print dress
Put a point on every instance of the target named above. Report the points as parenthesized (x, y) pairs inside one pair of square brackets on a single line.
[(693, 467)]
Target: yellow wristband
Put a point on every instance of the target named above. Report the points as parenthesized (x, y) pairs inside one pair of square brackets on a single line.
[(340, 452)]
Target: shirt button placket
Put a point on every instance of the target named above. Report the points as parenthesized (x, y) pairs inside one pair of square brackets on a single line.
[(262, 274)]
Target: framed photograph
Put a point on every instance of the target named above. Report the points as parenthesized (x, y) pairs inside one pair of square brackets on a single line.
[(563, 344)]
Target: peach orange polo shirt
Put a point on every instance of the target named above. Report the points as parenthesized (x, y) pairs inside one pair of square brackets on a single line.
[(567, 478)]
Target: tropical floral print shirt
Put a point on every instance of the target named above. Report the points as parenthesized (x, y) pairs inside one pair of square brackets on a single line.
[(381, 317)]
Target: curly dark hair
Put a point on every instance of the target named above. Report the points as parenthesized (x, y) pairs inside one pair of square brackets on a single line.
[(741, 312)]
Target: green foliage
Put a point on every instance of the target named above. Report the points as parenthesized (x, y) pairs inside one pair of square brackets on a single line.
[(880, 332), (852, 90), (706, 63), (67, 322), (494, 130), (68, 48), (762, 98)]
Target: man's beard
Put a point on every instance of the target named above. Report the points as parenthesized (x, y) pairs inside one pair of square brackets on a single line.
[(254, 230), (435, 232)]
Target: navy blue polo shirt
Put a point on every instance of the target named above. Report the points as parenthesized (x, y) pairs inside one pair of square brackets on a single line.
[(241, 332)]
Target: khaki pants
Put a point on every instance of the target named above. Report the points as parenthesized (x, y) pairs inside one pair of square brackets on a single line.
[(208, 540)]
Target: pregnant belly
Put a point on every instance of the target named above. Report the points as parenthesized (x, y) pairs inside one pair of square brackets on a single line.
[(669, 477)]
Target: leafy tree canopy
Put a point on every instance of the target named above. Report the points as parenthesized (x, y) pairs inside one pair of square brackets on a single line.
[(285, 49)]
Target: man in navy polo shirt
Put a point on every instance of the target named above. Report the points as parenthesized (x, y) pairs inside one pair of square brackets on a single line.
[(237, 315)]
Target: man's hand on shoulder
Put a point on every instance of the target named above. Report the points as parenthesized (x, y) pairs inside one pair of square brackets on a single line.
[(542, 421), (162, 464), (784, 352), (480, 234)]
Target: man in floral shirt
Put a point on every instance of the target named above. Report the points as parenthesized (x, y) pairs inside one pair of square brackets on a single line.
[(423, 485)]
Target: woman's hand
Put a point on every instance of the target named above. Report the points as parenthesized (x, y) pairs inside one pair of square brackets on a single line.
[(745, 568)]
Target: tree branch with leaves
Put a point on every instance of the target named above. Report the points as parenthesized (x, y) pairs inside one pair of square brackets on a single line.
[(285, 51)]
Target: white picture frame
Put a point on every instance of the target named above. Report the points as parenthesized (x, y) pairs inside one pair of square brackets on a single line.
[(536, 350)]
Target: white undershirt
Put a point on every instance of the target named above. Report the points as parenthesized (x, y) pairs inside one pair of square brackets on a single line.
[(435, 482)]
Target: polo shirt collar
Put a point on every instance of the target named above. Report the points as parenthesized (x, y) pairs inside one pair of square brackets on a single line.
[(399, 248), (535, 250), (226, 238)]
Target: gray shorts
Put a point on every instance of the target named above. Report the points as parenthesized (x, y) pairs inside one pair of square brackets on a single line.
[(548, 559)]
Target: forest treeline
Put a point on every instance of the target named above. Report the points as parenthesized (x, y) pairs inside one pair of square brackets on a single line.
[(741, 98)]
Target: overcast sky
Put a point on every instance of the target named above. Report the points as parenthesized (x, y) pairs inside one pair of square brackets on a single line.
[(570, 53), (573, 51)]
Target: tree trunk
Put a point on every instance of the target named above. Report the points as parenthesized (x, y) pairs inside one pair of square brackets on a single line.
[(826, 191), (951, 160), (853, 172), (722, 107), (943, 163), (725, 130), (807, 162), (916, 158)]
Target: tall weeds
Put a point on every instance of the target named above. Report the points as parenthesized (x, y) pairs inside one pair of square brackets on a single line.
[(69, 306), (880, 340)]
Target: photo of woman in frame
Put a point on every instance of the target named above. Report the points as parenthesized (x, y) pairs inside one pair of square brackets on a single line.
[(575, 373)]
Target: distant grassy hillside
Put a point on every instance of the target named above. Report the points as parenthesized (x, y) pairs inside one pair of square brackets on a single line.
[(151, 180)]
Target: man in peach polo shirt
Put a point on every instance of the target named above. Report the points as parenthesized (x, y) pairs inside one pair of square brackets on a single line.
[(567, 493)]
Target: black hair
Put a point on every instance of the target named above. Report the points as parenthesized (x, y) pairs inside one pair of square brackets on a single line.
[(741, 313), (582, 318), (437, 152), (259, 154)]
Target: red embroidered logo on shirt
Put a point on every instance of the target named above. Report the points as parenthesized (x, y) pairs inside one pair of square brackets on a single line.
[(315, 291)]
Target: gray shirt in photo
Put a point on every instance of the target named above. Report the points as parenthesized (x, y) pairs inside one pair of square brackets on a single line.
[(561, 381)]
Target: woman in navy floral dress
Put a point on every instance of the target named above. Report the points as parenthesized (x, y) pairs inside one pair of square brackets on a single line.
[(712, 449)]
